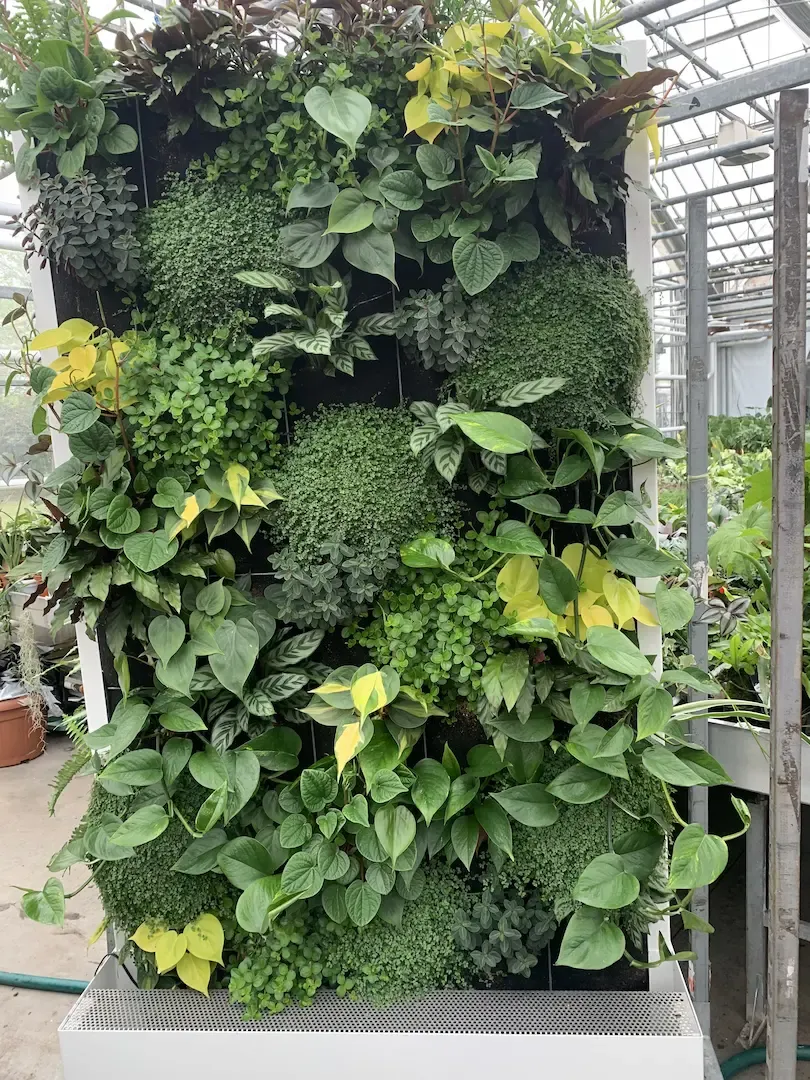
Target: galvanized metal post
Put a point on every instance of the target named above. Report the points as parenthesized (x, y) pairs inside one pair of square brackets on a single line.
[(756, 934), (697, 511), (789, 397)]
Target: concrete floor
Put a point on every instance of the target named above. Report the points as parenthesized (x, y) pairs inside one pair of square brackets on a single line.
[(28, 1019), (29, 1048)]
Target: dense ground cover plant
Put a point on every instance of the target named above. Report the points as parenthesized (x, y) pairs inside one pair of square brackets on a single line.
[(194, 241), (87, 226), (352, 493), (390, 813), (202, 400), (575, 317)]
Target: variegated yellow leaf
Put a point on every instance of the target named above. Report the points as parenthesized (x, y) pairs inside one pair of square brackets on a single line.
[(195, 972), (237, 478), (80, 331), (349, 741), (205, 938), (83, 360), (419, 70), (532, 22), (169, 950), (416, 113), (596, 615), (146, 937), (593, 570), (51, 339), (251, 497), (368, 691), (430, 132), (518, 575), (99, 930), (189, 514), (623, 597)]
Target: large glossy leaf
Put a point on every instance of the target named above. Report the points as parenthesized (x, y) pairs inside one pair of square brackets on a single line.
[(591, 941), (343, 113), (616, 651), (477, 263), (698, 858), (238, 645), (371, 251), (606, 883), (530, 804), (351, 212), (498, 432)]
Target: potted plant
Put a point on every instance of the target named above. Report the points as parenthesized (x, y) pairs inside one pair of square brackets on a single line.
[(22, 707)]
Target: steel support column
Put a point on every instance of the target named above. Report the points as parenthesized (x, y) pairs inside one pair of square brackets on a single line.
[(789, 397), (756, 936), (697, 509)]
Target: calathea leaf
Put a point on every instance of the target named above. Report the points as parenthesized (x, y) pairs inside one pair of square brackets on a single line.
[(304, 244), (448, 452)]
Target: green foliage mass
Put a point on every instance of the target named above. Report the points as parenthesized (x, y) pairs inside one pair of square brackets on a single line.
[(746, 434), (570, 315), (551, 859), (505, 932), (285, 966), (275, 144), (202, 400), (386, 963), (144, 888), (195, 239), (437, 631), (442, 330), (87, 226), (353, 492)]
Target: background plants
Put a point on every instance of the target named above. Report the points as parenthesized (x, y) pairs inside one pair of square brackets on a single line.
[(442, 330), (202, 399)]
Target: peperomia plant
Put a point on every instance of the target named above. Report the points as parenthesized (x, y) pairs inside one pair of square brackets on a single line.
[(60, 107)]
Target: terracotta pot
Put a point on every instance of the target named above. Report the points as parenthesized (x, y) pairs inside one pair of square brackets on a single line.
[(20, 738)]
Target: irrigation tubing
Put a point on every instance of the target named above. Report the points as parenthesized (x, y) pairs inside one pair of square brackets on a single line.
[(756, 1056), (42, 982)]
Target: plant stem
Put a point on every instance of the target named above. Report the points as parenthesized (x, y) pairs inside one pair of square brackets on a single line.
[(671, 806), (84, 884)]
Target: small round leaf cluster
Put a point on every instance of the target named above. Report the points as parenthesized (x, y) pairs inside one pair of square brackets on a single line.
[(353, 492), (443, 330), (144, 888), (204, 400), (87, 226), (285, 966), (195, 239), (384, 963), (566, 314), (436, 630)]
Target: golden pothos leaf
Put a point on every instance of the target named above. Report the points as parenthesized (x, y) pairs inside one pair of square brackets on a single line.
[(146, 937), (518, 575), (195, 972), (205, 938), (169, 950)]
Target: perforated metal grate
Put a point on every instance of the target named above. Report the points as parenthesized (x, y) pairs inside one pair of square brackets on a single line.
[(498, 1012)]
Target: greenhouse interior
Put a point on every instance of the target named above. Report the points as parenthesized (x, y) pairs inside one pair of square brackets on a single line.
[(403, 515)]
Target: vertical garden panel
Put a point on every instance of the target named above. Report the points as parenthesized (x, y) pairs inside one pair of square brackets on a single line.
[(351, 369)]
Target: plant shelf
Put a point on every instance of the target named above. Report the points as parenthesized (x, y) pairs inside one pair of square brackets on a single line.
[(163, 1034), (744, 754)]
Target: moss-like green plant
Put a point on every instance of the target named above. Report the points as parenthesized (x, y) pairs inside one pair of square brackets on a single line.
[(352, 494), (386, 963), (551, 859), (195, 239), (202, 400), (144, 888), (570, 315)]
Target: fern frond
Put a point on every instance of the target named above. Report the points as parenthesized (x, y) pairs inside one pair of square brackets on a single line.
[(76, 726), (70, 768)]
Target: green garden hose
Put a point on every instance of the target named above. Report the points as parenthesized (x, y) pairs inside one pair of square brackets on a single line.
[(42, 982), (756, 1056)]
